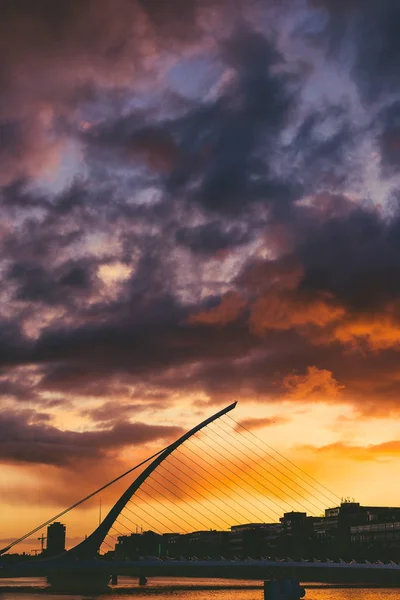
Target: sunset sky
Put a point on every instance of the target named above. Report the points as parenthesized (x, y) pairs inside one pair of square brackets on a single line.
[(199, 204)]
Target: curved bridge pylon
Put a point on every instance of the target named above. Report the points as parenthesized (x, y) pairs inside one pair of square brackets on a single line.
[(90, 547)]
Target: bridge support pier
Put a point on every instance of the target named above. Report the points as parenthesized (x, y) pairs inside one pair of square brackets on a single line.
[(285, 589), (142, 580)]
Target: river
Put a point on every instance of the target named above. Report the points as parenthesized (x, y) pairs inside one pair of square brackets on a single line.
[(185, 589)]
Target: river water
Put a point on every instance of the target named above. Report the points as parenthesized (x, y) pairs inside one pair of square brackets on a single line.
[(184, 589)]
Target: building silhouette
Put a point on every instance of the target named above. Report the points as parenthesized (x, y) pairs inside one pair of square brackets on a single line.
[(55, 539), (349, 531), (254, 539), (200, 544), (138, 545)]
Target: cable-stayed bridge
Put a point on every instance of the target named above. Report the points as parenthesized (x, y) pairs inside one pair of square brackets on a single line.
[(216, 475)]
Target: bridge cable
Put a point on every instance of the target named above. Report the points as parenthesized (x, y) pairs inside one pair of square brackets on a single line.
[(158, 473), (143, 489), (146, 513), (130, 531), (236, 483), (169, 500), (200, 494), (311, 493), (219, 482), (179, 517), (173, 457), (226, 477), (166, 507), (261, 445), (227, 442), (128, 519), (269, 490), (275, 511), (169, 509), (238, 424), (273, 475), (107, 544), (148, 522), (123, 525), (171, 492), (205, 488), (254, 463), (176, 495), (115, 529), (287, 460), (142, 519), (247, 483)]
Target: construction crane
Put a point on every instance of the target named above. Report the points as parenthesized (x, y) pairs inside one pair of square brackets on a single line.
[(41, 539)]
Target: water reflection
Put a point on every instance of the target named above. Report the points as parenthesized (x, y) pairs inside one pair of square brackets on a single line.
[(185, 589)]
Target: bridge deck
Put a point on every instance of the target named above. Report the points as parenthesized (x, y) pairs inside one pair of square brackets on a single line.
[(327, 572)]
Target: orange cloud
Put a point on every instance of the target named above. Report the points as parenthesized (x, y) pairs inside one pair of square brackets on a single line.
[(374, 452), (260, 423), (378, 332), (316, 383), (280, 304), (283, 311)]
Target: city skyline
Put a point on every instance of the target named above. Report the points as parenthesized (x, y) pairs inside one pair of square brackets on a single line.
[(348, 530), (199, 205)]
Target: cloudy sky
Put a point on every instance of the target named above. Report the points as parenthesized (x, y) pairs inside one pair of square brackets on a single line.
[(199, 204)]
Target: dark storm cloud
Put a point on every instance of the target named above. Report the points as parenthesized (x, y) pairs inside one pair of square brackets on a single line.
[(140, 349), (212, 237), (378, 49), (387, 128), (221, 175), (344, 260), (48, 234), (364, 33), (337, 248), (238, 135), (113, 412), (25, 439), (13, 345), (37, 284), (76, 277), (322, 148), (83, 378), (56, 59), (18, 390), (221, 153), (10, 138), (15, 197), (172, 18), (356, 258)]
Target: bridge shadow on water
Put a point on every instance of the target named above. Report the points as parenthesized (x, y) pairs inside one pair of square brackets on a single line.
[(129, 587)]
